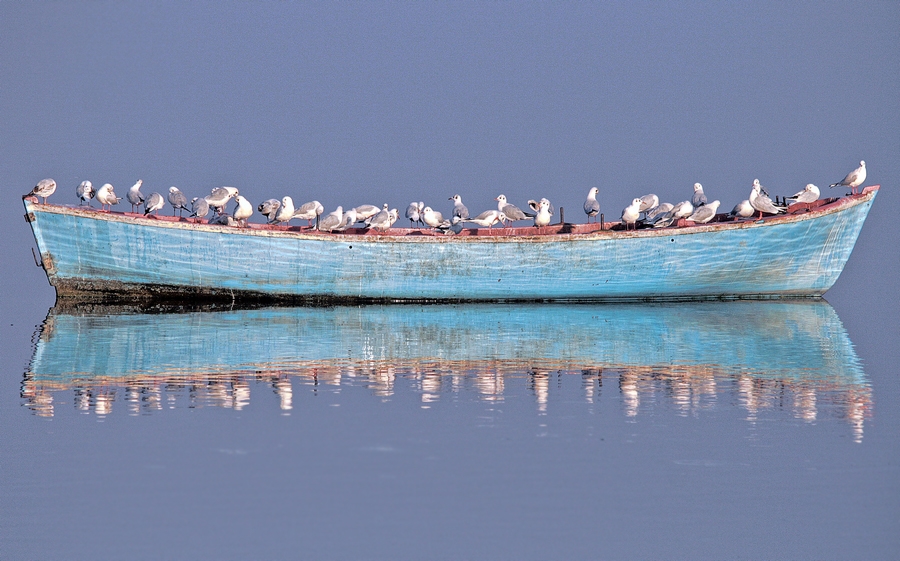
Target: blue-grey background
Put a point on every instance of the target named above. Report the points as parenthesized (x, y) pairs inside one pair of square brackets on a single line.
[(353, 103)]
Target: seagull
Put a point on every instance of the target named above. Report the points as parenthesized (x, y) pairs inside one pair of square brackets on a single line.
[(680, 210), (488, 218), (134, 195), (269, 208), (536, 206), (286, 212), (200, 207), (542, 218), (44, 188), (243, 210), (106, 196), (809, 194), (309, 211), (454, 226), (705, 213), (648, 203), (365, 212), (381, 221), (414, 212), (153, 203), (511, 211), (854, 179), (631, 213), (331, 220), (658, 212), (85, 192), (432, 218), (177, 200), (459, 209), (762, 202), (743, 209), (349, 219), (220, 196), (591, 206), (699, 198)]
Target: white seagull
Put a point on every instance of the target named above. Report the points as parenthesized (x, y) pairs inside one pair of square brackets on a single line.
[(243, 210), (511, 211), (414, 212), (106, 196), (134, 195), (705, 213), (591, 206), (699, 198), (743, 209), (459, 209), (85, 192), (309, 211), (44, 188), (432, 218), (349, 219), (199, 207), (286, 212), (218, 198), (153, 204), (762, 202), (331, 220), (488, 218), (854, 179), (809, 194), (631, 213), (543, 216), (269, 208), (177, 200)]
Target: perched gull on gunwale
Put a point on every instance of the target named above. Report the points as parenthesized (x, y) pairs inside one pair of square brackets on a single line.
[(153, 204), (699, 197), (631, 213), (510, 211), (459, 209), (309, 211), (762, 202), (331, 220), (134, 195), (44, 188), (199, 207), (743, 209), (432, 218), (809, 194), (218, 198), (414, 213), (269, 208), (544, 214), (177, 200), (488, 218), (705, 213), (854, 179), (286, 213), (243, 210), (591, 206), (106, 196), (85, 192)]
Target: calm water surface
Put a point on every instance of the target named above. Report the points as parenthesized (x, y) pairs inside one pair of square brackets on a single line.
[(702, 430)]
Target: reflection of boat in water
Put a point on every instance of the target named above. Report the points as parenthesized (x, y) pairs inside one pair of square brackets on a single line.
[(763, 351)]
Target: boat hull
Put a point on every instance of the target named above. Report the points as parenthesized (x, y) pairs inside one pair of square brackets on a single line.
[(95, 255)]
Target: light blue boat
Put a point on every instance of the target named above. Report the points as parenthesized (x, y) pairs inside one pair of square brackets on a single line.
[(90, 254)]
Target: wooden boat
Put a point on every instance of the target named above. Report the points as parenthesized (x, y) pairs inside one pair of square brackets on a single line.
[(97, 255)]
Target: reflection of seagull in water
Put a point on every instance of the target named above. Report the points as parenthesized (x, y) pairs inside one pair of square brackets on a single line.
[(153, 204), (106, 196), (243, 211), (487, 218), (44, 188), (854, 179), (286, 212), (85, 192), (705, 213), (762, 202), (134, 195), (459, 209), (177, 200), (809, 194), (309, 211)]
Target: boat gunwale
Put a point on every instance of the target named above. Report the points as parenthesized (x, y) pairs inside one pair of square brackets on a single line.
[(801, 213)]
